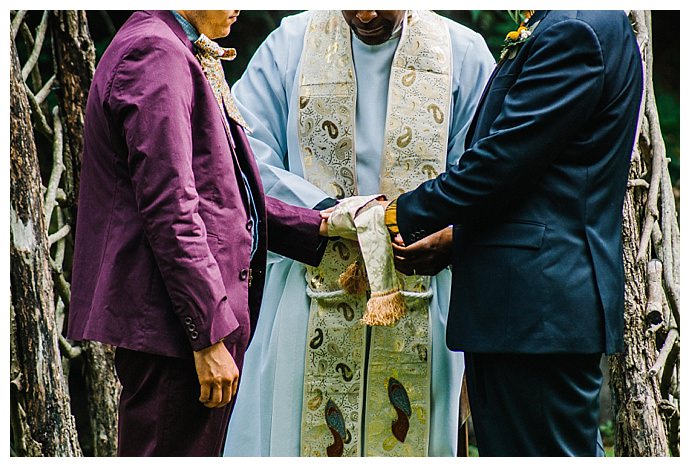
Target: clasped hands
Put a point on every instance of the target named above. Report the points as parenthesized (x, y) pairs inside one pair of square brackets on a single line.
[(428, 256)]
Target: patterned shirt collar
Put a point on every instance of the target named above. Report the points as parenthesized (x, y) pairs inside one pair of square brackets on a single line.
[(190, 30)]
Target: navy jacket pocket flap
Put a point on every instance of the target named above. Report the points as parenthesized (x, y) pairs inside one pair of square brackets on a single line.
[(513, 234)]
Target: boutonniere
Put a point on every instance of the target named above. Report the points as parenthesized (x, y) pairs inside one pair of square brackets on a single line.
[(521, 35)]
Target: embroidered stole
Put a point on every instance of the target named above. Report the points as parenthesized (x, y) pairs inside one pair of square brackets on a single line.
[(367, 389)]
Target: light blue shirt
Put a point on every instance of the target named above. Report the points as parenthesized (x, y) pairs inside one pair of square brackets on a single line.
[(373, 68)]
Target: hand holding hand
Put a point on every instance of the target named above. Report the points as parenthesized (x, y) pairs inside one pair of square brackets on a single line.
[(218, 375), (341, 217), (325, 215), (426, 257)]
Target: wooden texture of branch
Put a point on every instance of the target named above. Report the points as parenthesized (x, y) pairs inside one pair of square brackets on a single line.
[(58, 168), (38, 44), (45, 90), (642, 423), (37, 113), (16, 22), (43, 397), (655, 292)]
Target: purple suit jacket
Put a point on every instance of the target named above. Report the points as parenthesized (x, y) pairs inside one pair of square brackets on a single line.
[(161, 262)]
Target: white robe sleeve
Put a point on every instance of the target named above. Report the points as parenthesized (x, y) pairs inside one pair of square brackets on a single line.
[(262, 98), (472, 67)]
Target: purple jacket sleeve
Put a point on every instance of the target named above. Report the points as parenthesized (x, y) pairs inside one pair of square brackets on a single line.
[(151, 101), (294, 232)]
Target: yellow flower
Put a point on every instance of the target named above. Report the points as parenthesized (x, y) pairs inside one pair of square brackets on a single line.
[(514, 39)]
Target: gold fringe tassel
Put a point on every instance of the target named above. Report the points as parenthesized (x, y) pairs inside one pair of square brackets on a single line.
[(384, 308), (354, 279)]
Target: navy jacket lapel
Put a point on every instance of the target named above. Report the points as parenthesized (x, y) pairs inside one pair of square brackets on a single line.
[(473, 126), (469, 139), (537, 16)]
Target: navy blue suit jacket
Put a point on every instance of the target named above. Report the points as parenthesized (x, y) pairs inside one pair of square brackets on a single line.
[(536, 199)]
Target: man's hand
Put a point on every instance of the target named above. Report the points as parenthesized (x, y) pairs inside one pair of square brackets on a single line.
[(325, 215), (426, 257), (218, 375)]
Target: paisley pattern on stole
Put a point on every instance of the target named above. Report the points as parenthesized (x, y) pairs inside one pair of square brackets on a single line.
[(348, 365)]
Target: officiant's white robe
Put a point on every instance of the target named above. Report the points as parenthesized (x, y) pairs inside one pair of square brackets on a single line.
[(267, 416)]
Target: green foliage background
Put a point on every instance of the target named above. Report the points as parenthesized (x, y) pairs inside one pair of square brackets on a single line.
[(254, 25)]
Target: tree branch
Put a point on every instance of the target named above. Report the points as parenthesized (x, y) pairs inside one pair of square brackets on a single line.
[(27, 36), (38, 44), (669, 366), (67, 349), (17, 22), (59, 235), (655, 292), (651, 211), (36, 79), (60, 315), (671, 242), (63, 288), (58, 168), (674, 433), (60, 249), (657, 240), (45, 90), (37, 112), (61, 196), (664, 353), (640, 182), (652, 119)]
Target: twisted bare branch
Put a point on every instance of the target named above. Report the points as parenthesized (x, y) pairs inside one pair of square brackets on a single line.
[(45, 90), (59, 235), (58, 167), (40, 122), (17, 21), (38, 44)]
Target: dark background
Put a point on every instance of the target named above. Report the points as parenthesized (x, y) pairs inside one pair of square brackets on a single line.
[(253, 26)]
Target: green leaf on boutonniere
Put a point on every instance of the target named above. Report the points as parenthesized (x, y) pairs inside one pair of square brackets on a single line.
[(515, 38), (515, 15)]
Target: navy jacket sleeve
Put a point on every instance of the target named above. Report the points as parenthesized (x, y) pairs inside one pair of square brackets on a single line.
[(560, 83)]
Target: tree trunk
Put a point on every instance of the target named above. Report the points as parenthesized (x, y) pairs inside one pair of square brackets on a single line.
[(103, 392), (643, 379), (75, 57), (44, 425)]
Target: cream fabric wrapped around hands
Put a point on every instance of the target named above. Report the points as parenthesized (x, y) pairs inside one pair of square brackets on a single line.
[(361, 218)]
